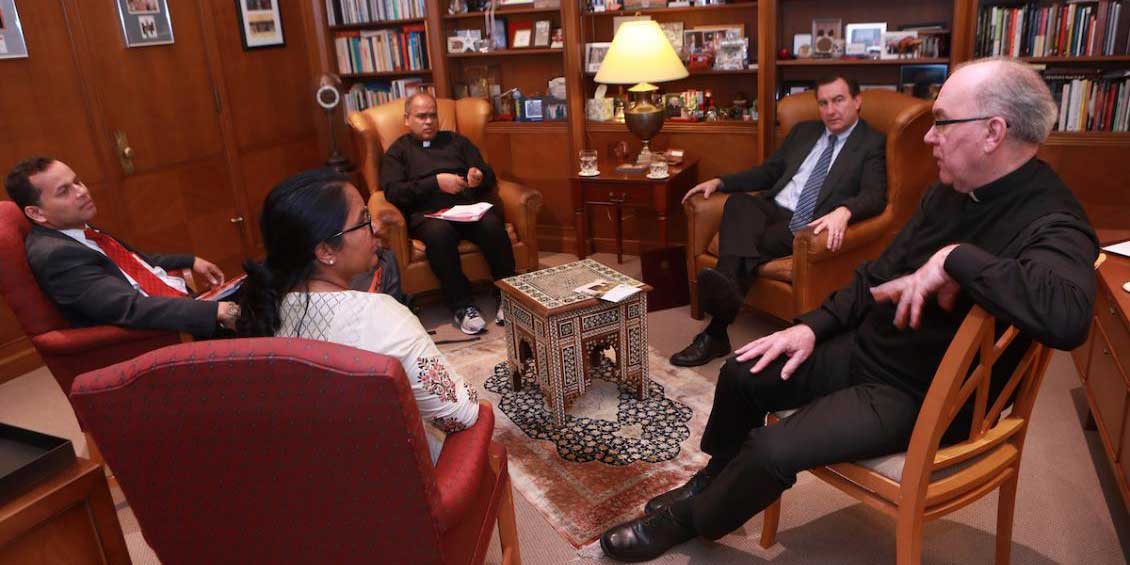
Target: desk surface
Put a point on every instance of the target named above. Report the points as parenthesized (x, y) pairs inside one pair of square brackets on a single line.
[(608, 173)]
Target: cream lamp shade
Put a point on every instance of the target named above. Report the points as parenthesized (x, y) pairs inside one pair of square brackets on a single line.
[(640, 52)]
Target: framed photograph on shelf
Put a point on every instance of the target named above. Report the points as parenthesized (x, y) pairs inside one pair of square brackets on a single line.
[(900, 44), (673, 104), (12, 44), (145, 22), (674, 33), (731, 54), (594, 55), (861, 38), (802, 45), (541, 33), (555, 110), (521, 33), (260, 24), (825, 32), (557, 39), (922, 81), (789, 87), (532, 109)]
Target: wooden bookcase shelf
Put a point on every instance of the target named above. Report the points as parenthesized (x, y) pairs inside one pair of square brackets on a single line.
[(506, 53), (724, 126), (377, 24), (1079, 60), (389, 74), (527, 127), (845, 62), (678, 10), (502, 13)]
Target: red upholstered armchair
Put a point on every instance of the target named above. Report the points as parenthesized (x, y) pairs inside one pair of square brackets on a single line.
[(67, 351), (284, 450)]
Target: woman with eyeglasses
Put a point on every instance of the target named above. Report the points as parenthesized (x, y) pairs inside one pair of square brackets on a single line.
[(319, 236)]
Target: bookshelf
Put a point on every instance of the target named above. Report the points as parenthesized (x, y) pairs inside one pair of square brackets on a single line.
[(1081, 49), (541, 154), (379, 49)]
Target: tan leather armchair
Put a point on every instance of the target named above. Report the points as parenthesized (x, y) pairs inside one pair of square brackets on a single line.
[(796, 284), (376, 128)]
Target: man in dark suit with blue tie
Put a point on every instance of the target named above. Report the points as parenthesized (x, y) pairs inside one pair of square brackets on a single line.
[(826, 175)]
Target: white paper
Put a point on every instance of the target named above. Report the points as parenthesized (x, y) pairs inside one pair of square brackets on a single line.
[(1122, 249), (463, 212), (619, 293)]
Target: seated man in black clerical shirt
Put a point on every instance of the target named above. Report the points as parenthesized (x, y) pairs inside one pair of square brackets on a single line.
[(427, 170), (827, 174), (1001, 231), (95, 278)]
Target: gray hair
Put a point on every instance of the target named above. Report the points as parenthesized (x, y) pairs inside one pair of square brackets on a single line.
[(418, 94), (1017, 93)]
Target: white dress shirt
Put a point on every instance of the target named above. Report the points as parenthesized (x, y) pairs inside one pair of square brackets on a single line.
[(175, 282), (789, 195)]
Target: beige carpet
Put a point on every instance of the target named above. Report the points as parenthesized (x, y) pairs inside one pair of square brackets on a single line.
[(612, 453)]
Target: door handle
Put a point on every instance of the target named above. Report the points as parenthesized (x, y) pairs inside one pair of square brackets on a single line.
[(125, 152), (238, 220)]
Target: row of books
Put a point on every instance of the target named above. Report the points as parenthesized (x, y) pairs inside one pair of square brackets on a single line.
[(345, 12), (383, 50), (1091, 101), (1060, 29), (367, 95)]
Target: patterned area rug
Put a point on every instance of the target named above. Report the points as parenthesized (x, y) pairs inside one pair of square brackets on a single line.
[(613, 452)]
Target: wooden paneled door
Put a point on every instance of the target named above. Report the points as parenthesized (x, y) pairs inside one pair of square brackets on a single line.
[(158, 111)]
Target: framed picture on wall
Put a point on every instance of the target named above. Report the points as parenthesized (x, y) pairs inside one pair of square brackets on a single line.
[(12, 45), (260, 23), (145, 22)]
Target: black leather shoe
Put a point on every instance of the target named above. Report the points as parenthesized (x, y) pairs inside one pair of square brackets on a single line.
[(695, 485), (719, 295), (644, 539), (701, 351)]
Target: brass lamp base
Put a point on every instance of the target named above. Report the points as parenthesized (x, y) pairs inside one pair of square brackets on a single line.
[(644, 119)]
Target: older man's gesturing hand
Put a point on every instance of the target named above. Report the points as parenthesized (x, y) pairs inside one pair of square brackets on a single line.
[(796, 343), (911, 291)]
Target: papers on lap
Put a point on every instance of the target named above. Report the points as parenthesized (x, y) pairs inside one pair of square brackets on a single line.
[(223, 291), (463, 213), (1122, 249), (606, 290)]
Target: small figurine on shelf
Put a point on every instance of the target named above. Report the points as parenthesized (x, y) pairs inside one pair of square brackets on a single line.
[(457, 7)]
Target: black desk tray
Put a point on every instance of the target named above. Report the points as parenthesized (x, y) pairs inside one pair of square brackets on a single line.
[(27, 457)]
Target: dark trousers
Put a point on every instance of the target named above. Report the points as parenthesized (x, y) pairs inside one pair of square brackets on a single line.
[(843, 416), (754, 231), (442, 238)]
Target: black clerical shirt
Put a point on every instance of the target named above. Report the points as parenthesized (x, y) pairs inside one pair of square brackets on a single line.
[(1025, 255), (409, 168)]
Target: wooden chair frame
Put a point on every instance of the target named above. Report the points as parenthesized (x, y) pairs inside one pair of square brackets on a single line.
[(988, 460)]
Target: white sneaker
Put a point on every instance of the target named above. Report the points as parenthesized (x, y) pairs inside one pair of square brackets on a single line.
[(469, 321)]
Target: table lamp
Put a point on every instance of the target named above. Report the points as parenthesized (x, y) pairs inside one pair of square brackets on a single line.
[(640, 54)]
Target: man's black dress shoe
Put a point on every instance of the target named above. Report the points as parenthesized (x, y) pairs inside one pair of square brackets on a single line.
[(646, 538), (701, 351), (695, 485), (719, 295)]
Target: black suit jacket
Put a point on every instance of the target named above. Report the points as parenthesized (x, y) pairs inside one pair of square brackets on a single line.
[(90, 289), (857, 179)]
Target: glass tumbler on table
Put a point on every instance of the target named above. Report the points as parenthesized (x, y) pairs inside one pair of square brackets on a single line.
[(588, 162)]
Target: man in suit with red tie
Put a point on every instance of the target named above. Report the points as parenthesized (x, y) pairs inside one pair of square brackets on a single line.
[(96, 279)]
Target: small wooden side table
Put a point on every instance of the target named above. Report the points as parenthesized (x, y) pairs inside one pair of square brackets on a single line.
[(66, 519), (632, 190), (561, 336)]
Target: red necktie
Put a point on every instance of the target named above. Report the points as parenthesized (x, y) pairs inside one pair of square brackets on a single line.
[(132, 266)]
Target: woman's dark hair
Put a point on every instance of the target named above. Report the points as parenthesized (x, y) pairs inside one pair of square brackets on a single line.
[(299, 213)]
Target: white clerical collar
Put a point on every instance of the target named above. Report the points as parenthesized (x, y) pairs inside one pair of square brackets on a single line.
[(973, 195), (426, 143)]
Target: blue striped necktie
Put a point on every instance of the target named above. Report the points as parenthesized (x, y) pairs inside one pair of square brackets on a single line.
[(806, 204)]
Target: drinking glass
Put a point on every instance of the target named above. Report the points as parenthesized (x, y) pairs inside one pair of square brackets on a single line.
[(588, 162), (658, 167)]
